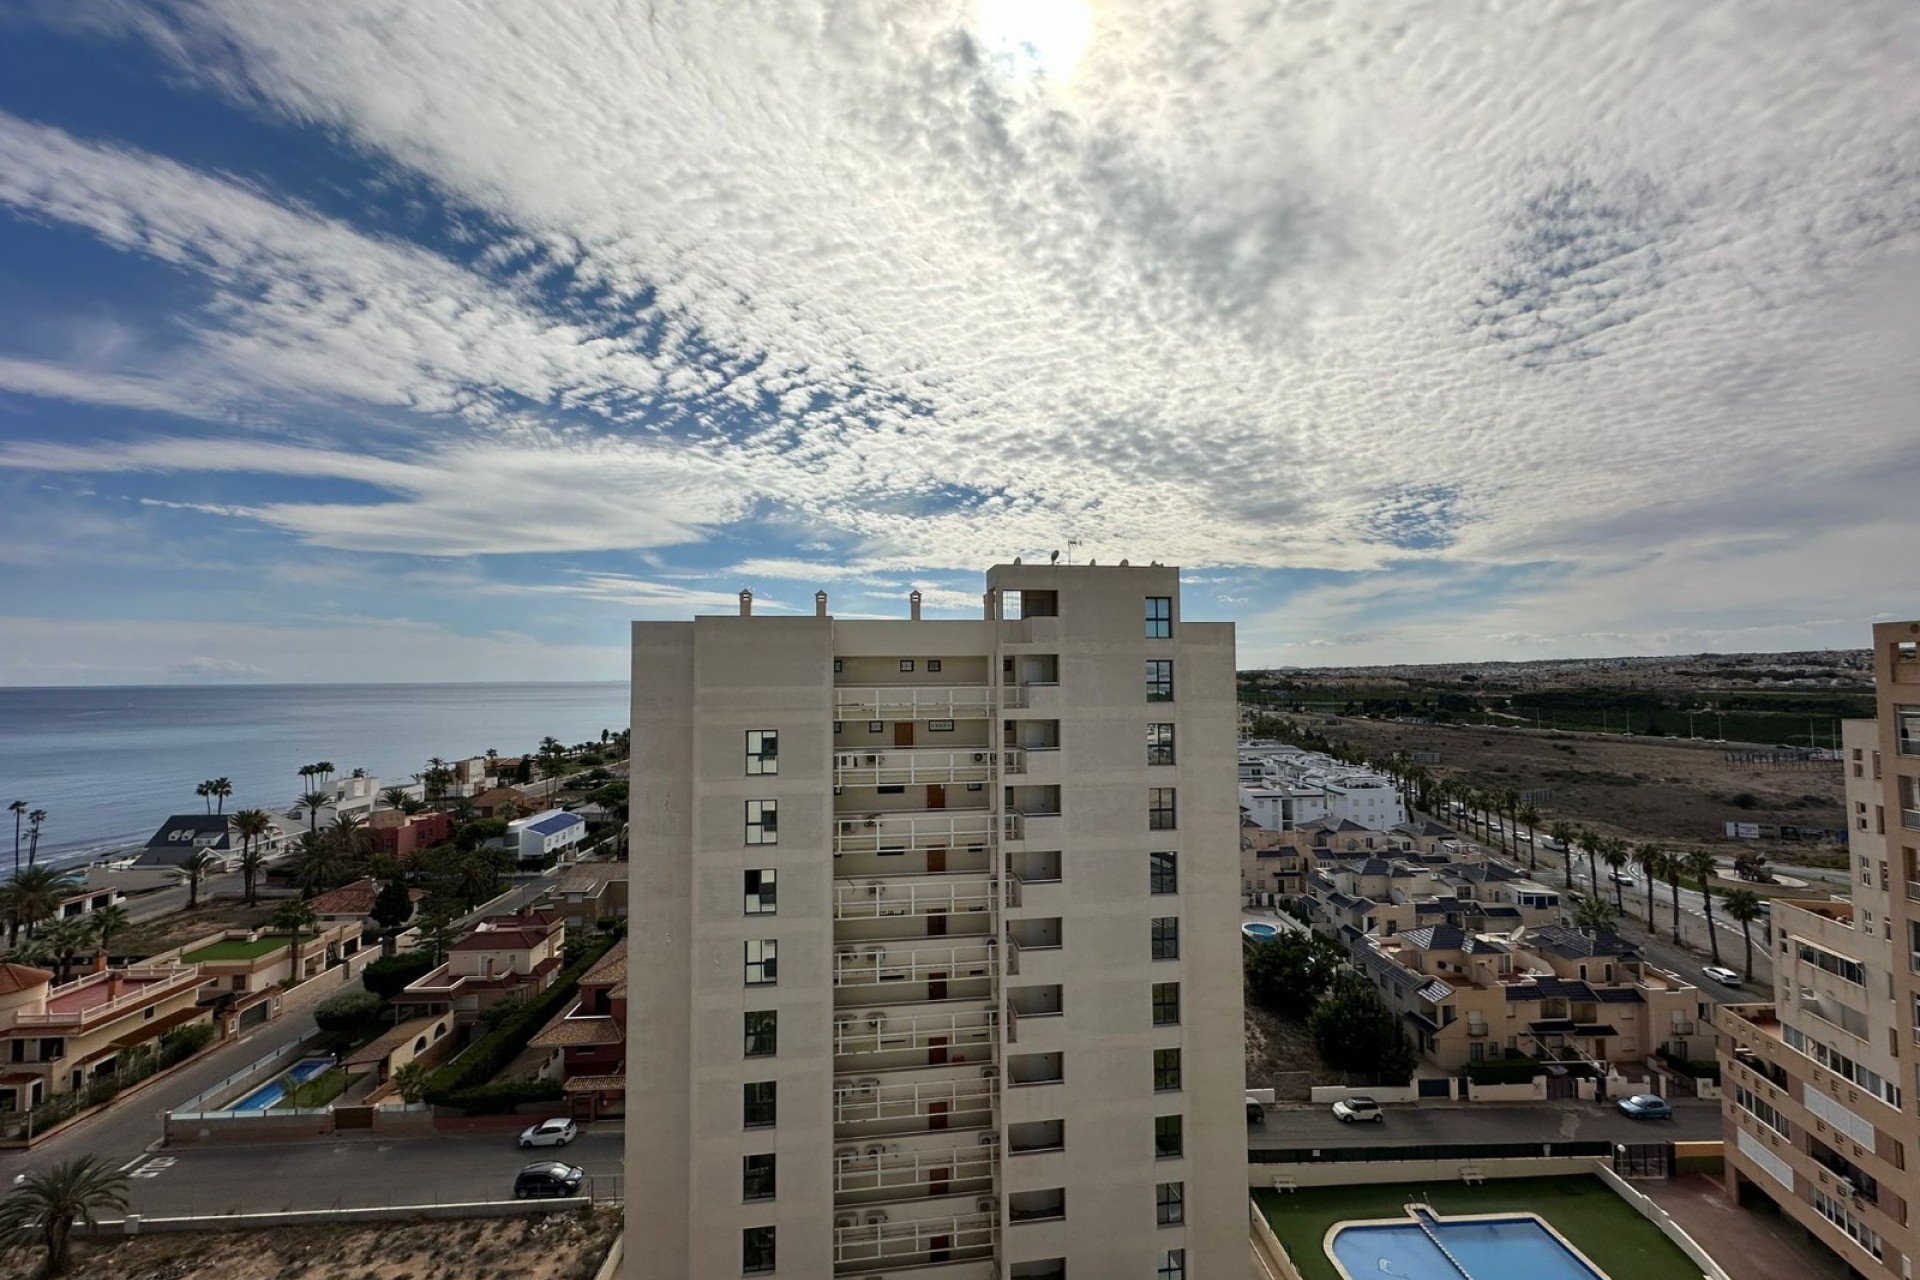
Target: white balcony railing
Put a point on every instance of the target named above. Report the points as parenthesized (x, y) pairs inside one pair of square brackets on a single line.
[(865, 1101), (872, 1167), (912, 832), (1015, 824), (857, 1031), (878, 1243), (914, 702), (866, 965), (904, 766), (154, 983), (867, 898)]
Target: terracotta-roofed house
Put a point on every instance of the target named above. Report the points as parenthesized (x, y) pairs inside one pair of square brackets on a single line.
[(54, 1039), (593, 891), (504, 957), (590, 1038)]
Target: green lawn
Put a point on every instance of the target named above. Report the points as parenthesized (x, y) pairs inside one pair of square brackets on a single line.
[(1599, 1223), (317, 1092), (238, 949)]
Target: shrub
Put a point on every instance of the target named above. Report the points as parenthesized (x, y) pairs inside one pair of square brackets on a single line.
[(1503, 1071), (348, 1012), (501, 1096), (182, 1043), (493, 1051), (389, 975)]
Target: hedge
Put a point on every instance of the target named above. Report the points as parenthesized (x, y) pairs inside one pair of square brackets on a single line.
[(1503, 1071), (501, 1096), (493, 1051), (388, 976)]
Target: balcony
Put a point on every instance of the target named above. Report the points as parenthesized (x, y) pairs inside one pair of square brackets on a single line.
[(920, 766), (873, 897), (913, 831), (915, 702), (87, 1002), (877, 1244), (961, 1098), (1023, 824), (936, 1164), (915, 1029), (869, 964), (1910, 819)]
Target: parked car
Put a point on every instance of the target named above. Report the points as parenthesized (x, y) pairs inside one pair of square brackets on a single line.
[(557, 1132), (549, 1178), (1721, 974), (1644, 1106), (1352, 1109), (1256, 1114)]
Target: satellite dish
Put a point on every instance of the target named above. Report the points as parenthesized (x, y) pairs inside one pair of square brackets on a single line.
[(1055, 559)]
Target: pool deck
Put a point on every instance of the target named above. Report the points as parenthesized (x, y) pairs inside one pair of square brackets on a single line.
[(1746, 1244)]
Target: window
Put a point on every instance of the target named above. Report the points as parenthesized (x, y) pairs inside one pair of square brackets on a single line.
[(756, 1251), (763, 751), (1159, 744), (762, 1033), (1163, 874), (1173, 1265), (761, 899), (762, 969), (836, 666), (906, 664), (756, 1177), (1159, 617), (1166, 1004), (876, 726), (939, 726), (757, 1104), (1170, 1203), (1166, 938), (1166, 1070), (1160, 810), (933, 665), (1166, 1137), (763, 822), (1160, 680)]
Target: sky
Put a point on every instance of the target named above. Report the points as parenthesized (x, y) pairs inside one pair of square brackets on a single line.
[(385, 340)]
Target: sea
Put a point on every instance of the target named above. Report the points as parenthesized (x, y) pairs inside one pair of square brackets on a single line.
[(110, 764)]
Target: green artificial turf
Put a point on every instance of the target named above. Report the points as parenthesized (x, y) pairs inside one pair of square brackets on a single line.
[(237, 949), (1582, 1208)]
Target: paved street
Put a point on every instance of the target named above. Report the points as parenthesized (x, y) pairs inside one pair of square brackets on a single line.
[(1485, 1122), (355, 1172)]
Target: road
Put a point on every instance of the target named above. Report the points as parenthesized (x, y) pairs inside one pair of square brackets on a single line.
[(1484, 1122), (356, 1172)]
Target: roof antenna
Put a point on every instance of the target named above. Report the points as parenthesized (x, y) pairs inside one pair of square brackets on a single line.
[(1071, 544)]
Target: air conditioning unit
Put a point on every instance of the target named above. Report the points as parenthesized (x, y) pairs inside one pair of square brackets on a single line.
[(874, 955), (873, 760), (984, 1205), (877, 1149), (844, 1154), (989, 1139), (876, 1216), (844, 1019), (844, 1221), (876, 1020), (865, 1088), (979, 757), (990, 1072)]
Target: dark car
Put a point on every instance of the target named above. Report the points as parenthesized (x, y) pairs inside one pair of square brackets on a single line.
[(549, 1178), (1644, 1106)]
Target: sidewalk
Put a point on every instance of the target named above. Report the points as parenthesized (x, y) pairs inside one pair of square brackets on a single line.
[(1748, 1244)]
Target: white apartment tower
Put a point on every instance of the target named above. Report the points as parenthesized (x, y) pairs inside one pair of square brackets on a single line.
[(936, 960)]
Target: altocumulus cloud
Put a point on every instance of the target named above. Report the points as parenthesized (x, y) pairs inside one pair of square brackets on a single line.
[(1407, 294)]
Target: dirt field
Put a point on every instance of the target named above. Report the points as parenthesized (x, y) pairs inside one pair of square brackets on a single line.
[(1640, 788), (559, 1246), (174, 928), (1280, 1057)]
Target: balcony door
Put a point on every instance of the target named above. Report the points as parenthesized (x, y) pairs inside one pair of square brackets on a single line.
[(936, 796), (903, 733)]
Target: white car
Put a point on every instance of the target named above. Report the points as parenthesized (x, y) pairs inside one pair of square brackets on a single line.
[(1721, 974), (557, 1132), (1350, 1110)]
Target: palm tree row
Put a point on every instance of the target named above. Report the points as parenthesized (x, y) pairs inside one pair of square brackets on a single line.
[(212, 790), (35, 819)]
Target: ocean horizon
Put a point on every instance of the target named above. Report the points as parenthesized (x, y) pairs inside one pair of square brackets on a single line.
[(110, 763)]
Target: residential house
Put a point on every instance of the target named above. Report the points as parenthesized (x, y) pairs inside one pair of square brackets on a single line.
[(55, 1038), (505, 957), (352, 904), (185, 834), (589, 1039), (403, 834), (425, 1040), (503, 802), (89, 900), (248, 962), (593, 891), (545, 834)]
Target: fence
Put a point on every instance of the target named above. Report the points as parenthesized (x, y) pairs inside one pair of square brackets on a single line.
[(1672, 1230), (1431, 1151), (193, 1107), (137, 1224)]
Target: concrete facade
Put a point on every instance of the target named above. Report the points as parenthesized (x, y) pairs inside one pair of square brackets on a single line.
[(904, 929), (1820, 1085)]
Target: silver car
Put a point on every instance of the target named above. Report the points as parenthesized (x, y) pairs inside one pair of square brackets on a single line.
[(557, 1132)]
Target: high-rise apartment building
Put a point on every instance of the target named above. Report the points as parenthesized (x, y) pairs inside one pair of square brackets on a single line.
[(935, 947), (1822, 1086)]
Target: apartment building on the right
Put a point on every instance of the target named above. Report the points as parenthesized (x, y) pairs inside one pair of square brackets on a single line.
[(1822, 1085)]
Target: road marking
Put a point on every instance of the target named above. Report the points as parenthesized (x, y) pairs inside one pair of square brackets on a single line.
[(155, 1167)]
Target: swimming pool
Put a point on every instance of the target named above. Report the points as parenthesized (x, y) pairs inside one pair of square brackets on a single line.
[(1424, 1247), (1259, 932), (269, 1094)]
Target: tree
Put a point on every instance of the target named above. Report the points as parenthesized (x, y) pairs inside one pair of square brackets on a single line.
[(1700, 866), (1589, 842), (388, 976), (349, 1011), (1615, 854), (318, 865), (349, 835), (392, 908), (205, 792), (437, 933), (1510, 802), (324, 769), (1672, 870), (1562, 835), (1743, 905), (194, 868), (1593, 914), (293, 917), (410, 1081), (35, 820), (64, 939), (19, 810), (33, 895), (1530, 817), (1354, 1030), (252, 826), (313, 802), (395, 797), (1289, 974), (46, 1203), (107, 921), (1646, 860)]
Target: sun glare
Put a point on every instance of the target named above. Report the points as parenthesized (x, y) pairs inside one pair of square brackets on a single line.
[(1035, 37)]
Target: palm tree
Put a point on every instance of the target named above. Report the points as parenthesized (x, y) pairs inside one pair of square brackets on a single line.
[(45, 1204), (493, 760), (348, 833), (107, 921), (1744, 905), (319, 864), (394, 797), (252, 826), (1592, 915), (64, 939), (35, 820), (1646, 860), (1530, 817), (194, 868), (1562, 835), (205, 792), (437, 932), (1700, 865), (324, 769), (313, 802), (1672, 870), (220, 789), (18, 809), (1615, 854), (1589, 842), (34, 894), (1510, 802), (292, 917)]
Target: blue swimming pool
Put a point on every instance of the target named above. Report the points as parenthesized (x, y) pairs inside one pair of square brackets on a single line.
[(1259, 932), (1428, 1248), (269, 1094)]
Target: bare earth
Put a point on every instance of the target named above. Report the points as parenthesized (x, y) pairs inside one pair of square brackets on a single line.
[(1640, 788), (1280, 1057), (176, 927), (558, 1246)]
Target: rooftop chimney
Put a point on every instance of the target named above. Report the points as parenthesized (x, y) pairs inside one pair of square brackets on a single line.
[(819, 604), (913, 606), (746, 602)]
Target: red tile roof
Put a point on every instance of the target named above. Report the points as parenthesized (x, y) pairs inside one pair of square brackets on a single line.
[(20, 977)]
